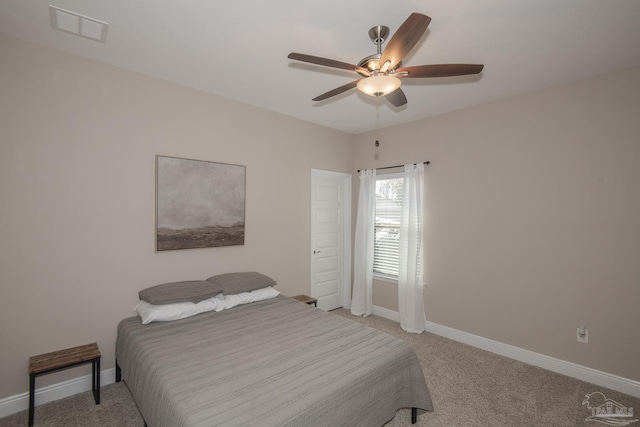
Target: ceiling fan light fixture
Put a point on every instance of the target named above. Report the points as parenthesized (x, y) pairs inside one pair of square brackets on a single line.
[(379, 85), (381, 72)]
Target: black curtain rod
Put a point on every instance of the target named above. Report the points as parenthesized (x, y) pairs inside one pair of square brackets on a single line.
[(398, 166)]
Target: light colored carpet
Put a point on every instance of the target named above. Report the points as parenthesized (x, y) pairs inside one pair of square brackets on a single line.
[(469, 387)]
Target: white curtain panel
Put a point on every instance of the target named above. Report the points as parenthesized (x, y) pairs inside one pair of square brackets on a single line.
[(361, 299), (410, 275)]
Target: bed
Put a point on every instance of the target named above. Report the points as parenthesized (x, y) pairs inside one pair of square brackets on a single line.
[(276, 362)]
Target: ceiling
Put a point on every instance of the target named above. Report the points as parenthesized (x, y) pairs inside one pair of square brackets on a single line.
[(238, 49)]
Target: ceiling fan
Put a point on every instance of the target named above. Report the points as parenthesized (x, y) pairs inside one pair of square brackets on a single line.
[(381, 72)]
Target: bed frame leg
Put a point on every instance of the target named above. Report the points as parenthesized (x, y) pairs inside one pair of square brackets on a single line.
[(118, 372), (414, 415)]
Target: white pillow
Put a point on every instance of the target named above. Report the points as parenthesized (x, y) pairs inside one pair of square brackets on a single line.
[(247, 297), (166, 312), (179, 310)]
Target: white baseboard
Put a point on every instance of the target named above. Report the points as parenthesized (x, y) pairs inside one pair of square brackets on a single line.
[(386, 313), (20, 402), (583, 373)]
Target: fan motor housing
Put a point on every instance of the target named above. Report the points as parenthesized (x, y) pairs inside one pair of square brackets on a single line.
[(372, 63), (378, 35)]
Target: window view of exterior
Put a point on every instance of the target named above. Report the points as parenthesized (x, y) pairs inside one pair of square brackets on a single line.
[(387, 226)]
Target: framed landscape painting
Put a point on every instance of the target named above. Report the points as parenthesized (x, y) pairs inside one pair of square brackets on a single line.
[(199, 204)]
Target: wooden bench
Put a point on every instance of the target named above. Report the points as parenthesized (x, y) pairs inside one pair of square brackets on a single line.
[(306, 299), (64, 359)]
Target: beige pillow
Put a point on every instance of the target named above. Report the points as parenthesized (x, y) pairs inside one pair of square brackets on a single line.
[(173, 292), (237, 283)]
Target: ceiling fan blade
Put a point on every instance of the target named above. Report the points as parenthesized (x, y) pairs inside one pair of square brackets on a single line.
[(326, 62), (336, 91), (439, 70), (404, 40), (397, 98)]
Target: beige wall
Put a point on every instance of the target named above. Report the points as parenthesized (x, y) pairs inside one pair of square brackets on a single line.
[(533, 219), (77, 181)]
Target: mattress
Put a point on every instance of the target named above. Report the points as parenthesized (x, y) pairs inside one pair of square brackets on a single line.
[(277, 362)]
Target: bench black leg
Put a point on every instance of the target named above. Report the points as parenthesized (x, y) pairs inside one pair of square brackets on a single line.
[(414, 415), (32, 392), (96, 380), (118, 373)]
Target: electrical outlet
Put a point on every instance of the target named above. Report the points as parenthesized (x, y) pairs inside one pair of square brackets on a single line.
[(583, 335)]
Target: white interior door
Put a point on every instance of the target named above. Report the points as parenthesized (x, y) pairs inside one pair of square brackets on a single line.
[(331, 239)]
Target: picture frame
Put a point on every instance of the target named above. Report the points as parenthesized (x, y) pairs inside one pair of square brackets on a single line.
[(199, 204)]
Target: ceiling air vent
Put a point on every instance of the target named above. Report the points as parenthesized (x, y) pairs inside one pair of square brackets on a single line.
[(74, 23)]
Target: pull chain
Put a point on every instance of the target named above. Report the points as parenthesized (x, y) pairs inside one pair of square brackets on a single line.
[(376, 136)]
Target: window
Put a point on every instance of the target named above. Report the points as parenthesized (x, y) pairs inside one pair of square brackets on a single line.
[(387, 225)]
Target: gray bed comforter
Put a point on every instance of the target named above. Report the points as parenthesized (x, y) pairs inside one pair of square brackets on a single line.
[(277, 362)]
